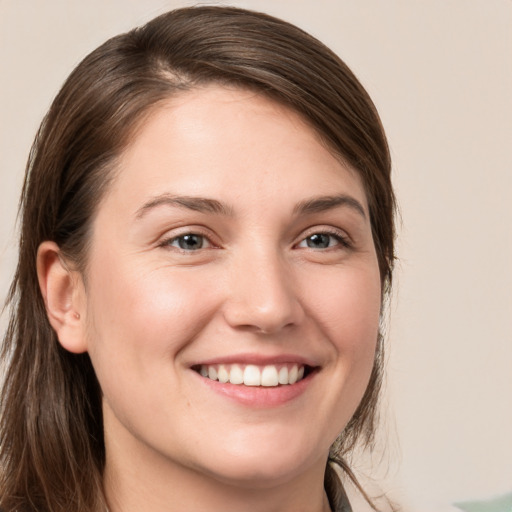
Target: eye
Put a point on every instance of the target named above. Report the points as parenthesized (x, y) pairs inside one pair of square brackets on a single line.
[(323, 241), (188, 242)]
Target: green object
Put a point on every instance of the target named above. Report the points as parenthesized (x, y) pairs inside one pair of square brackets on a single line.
[(500, 504)]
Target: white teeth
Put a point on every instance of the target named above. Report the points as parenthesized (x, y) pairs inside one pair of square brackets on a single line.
[(236, 375), (252, 375), (223, 375), (212, 373), (269, 376), (293, 374)]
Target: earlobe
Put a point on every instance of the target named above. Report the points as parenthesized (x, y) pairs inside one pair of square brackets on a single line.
[(63, 294)]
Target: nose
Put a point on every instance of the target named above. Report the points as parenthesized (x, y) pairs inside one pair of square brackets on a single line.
[(262, 295)]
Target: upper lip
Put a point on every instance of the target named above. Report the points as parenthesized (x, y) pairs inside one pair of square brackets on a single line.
[(258, 360)]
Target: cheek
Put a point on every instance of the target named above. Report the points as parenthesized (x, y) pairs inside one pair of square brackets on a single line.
[(347, 306), (149, 313)]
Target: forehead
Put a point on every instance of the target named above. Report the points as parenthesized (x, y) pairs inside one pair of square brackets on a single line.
[(203, 140)]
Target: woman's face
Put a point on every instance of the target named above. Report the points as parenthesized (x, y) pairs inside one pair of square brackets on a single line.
[(231, 245)]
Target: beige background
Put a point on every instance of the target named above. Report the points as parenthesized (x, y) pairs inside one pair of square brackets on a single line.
[(440, 73)]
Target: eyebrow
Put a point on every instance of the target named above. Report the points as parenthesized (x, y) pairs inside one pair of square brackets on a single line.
[(206, 205), (323, 203), (198, 204)]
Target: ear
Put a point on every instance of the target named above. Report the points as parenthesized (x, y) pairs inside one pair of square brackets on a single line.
[(64, 297)]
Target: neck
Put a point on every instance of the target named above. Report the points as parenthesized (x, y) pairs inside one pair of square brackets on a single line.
[(135, 483), (172, 493)]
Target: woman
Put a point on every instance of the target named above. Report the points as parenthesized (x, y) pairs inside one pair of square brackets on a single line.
[(209, 206)]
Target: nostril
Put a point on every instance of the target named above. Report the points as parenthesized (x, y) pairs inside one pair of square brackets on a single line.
[(263, 320)]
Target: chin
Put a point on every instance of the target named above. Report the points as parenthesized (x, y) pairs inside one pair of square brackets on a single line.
[(264, 469)]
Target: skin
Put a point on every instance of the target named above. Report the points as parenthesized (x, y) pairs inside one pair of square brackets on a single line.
[(259, 285)]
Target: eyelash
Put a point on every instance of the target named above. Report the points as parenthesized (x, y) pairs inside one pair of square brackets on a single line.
[(168, 242), (341, 240)]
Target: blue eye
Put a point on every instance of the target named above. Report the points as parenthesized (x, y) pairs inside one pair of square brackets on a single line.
[(322, 241), (188, 242)]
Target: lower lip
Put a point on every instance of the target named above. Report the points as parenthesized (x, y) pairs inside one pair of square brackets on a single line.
[(259, 396)]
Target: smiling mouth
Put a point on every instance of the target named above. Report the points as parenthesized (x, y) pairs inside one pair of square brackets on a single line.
[(253, 375)]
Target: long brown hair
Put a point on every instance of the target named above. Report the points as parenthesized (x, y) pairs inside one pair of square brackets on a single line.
[(52, 453)]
